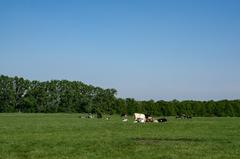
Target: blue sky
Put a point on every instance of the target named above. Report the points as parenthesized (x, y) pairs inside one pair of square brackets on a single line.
[(157, 49)]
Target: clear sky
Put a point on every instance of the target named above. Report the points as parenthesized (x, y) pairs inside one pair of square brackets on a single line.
[(146, 49)]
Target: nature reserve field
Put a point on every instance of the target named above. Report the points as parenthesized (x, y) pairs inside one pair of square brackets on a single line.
[(58, 136)]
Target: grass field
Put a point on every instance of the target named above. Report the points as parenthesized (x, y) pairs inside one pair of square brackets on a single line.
[(58, 136)]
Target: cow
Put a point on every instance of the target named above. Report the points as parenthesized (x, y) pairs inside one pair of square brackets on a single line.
[(139, 117), (123, 115), (178, 117), (162, 120), (183, 116), (90, 116)]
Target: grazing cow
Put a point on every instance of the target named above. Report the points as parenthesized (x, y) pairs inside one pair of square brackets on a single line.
[(124, 115), (178, 117), (183, 116), (90, 115), (162, 120), (139, 117)]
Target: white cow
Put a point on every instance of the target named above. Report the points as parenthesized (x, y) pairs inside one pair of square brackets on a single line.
[(139, 117)]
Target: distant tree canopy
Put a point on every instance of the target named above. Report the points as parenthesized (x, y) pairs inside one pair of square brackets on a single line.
[(20, 95)]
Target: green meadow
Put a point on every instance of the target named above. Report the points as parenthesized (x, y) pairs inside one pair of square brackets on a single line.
[(66, 136)]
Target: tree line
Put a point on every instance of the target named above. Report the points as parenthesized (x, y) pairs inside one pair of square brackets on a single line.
[(21, 95)]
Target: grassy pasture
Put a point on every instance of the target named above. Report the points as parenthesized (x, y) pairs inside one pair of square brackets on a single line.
[(66, 136)]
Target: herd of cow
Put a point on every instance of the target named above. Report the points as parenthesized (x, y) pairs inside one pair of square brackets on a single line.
[(183, 116), (144, 118), (141, 118)]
